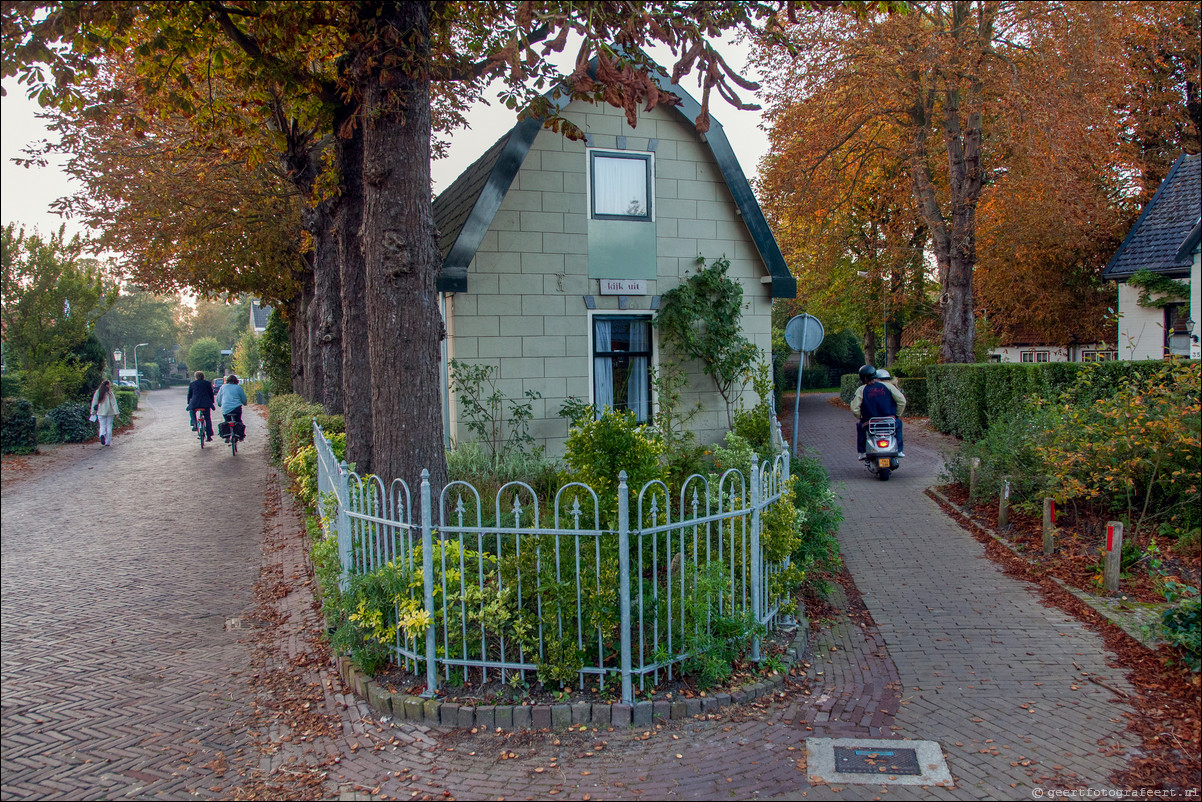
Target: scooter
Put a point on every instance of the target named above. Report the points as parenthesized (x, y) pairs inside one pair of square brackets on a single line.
[(881, 455)]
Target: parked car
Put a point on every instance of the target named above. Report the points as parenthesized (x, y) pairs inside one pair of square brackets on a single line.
[(217, 385)]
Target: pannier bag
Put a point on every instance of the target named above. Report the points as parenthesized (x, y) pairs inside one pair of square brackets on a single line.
[(239, 429)]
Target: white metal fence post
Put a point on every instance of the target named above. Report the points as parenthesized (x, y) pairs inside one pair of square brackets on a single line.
[(756, 575), (428, 581), (342, 523), (624, 585)]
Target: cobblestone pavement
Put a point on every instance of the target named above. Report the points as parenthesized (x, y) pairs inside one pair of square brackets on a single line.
[(948, 649), (120, 569)]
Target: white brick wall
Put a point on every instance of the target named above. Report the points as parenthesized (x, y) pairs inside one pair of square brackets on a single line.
[(524, 309)]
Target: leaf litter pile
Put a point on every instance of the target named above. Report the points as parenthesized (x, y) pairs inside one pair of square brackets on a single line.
[(1167, 718)]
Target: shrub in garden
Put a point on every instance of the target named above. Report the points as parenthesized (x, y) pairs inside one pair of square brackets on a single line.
[(18, 429), (1009, 448), (127, 402), (598, 450), (71, 424), (1135, 452), (279, 420), (1181, 624)]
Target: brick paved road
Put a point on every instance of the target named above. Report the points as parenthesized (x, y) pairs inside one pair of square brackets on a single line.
[(119, 573), (959, 653)]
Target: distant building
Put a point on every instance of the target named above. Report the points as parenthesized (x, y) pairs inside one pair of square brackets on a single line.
[(258, 317), (1164, 241)]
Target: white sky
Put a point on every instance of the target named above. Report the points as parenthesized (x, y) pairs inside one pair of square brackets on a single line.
[(26, 194)]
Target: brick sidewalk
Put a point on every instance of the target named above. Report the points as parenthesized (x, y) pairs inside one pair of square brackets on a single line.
[(120, 570)]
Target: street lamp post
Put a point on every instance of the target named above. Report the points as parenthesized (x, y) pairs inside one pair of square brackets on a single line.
[(885, 301), (137, 376), (116, 362)]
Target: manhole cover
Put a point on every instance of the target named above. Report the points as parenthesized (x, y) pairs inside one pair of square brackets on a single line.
[(860, 760), (232, 624), (876, 761)]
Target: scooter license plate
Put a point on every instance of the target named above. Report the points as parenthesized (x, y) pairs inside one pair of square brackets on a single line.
[(883, 462)]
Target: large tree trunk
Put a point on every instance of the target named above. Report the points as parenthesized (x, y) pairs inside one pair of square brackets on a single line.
[(955, 247), (356, 366), (400, 253), (327, 314), (298, 335)]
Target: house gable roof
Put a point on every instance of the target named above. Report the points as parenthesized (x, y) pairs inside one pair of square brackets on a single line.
[(465, 210), (1160, 239)]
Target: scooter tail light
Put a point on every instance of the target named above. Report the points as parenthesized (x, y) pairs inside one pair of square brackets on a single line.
[(882, 443)]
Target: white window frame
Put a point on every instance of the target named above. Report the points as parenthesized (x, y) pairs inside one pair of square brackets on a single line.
[(653, 362), (1036, 357), (1099, 355), (647, 156)]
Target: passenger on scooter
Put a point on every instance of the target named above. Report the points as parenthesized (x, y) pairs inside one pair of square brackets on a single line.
[(876, 399)]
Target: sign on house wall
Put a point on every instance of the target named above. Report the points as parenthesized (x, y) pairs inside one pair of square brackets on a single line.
[(623, 286)]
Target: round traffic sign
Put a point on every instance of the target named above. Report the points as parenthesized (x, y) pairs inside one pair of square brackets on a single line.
[(804, 333)]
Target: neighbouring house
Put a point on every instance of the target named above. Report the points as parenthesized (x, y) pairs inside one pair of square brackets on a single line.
[(556, 253), (258, 316), (1155, 322), (1031, 346)]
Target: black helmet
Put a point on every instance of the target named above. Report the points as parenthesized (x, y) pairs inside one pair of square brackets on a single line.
[(867, 373)]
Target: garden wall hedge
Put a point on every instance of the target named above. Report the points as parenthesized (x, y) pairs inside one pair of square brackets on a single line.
[(963, 398), (18, 427), (290, 425)]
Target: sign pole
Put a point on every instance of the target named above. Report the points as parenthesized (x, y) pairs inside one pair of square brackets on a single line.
[(803, 333)]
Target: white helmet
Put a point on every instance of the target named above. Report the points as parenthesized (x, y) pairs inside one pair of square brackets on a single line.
[(883, 375)]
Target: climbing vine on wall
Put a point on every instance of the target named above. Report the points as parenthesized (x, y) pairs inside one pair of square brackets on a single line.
[(701, 318), (1149, 284)]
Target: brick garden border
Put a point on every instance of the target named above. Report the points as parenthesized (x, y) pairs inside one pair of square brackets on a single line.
[(434, 712)]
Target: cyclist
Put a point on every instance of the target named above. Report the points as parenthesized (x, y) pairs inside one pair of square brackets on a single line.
[(231, 397), (200, 399)]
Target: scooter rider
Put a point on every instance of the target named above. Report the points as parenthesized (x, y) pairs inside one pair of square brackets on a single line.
[(876, 399)]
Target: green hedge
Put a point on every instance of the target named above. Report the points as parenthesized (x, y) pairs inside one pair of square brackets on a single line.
[(67, 423), (848, 383), (963, 398), (290, 425), (127, 401), (18, 427), (915, 391)]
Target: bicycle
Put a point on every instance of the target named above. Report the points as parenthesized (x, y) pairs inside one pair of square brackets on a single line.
[(231, 436), (203, 422)]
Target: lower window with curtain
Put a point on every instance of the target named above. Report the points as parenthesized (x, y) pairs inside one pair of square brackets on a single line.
[(622, 364)]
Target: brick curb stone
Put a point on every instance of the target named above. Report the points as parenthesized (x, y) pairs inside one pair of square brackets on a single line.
[(450, 715)]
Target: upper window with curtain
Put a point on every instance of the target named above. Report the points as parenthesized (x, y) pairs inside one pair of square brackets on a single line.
[(621, 185), (622, 364)]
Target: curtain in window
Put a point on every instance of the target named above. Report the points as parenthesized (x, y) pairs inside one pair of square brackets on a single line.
[(620, 186), (603, 369), (636, 385)]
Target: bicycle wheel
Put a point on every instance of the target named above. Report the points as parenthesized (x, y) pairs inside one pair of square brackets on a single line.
[(234, 445)]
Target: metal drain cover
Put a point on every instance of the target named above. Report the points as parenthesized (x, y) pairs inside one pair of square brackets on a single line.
[(876, 761), (861, 760)]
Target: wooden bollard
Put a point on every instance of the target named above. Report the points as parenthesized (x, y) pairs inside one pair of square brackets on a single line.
[(973, 468), (1049, 526), (1003, 504), (1114, 556)]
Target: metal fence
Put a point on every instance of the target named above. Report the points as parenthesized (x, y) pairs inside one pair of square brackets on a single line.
[(583, 588)]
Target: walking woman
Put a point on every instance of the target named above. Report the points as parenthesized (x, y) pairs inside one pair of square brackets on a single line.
[(104, 407)]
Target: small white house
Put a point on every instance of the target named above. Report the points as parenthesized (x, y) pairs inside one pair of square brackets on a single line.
[(556, 253), (1164, 241), (1031, 347)]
